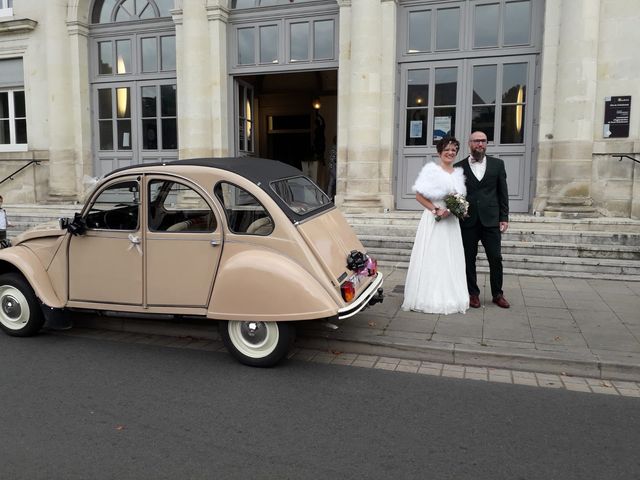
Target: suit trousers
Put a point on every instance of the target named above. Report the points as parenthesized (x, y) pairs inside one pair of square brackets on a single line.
[(490, 238)]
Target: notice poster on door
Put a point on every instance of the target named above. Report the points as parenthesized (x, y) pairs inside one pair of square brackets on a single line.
[(617, 111), (441, 127), (415, 129)]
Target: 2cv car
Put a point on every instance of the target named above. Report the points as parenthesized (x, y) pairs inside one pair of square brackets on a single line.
[(248, 242)]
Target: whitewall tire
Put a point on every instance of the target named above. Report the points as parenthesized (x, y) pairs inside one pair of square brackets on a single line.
[(258, 344), (20, 312)]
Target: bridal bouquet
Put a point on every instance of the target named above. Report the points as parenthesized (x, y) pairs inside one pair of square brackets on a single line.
[(457, 205)]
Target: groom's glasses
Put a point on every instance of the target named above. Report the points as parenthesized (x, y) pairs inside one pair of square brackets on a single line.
[(479, 141)]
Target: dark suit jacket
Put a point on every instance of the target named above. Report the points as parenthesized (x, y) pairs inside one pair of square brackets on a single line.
[(488, 199)]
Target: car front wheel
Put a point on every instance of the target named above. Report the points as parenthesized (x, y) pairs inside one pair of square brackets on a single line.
[(258, 344), (20, 314)]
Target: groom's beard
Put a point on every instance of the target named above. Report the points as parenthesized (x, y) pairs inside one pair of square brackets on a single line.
[(477, 156)]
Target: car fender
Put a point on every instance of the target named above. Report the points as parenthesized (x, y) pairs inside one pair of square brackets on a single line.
[(22, 259), (262, 284)]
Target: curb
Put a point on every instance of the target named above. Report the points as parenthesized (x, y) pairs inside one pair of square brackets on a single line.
[(344, 342), (464, 355)]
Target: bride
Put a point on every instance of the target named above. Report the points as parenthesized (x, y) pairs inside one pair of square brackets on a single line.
[(436, 280)]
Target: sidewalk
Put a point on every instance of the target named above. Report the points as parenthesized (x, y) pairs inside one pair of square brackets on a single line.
[(557, 325)]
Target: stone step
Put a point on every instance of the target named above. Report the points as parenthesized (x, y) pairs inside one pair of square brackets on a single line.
[(569, 264), (518, 234), (519, 221), (385, 266), (396, 244)]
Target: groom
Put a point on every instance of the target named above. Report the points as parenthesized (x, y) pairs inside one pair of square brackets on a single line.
[(486, 181)]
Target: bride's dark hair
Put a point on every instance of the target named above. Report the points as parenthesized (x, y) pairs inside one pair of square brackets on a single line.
[(445, 141)]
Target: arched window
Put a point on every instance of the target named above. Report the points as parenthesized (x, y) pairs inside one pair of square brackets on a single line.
[(113, 11), (133, 83)]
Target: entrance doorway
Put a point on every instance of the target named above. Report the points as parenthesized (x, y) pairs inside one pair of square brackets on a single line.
[(493, 95), (291, 117)]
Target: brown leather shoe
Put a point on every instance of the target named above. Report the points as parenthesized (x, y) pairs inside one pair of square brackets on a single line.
[(474, 301), (501, 301)]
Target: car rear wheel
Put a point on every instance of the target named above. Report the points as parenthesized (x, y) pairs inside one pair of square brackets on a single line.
[(258, 344), (20, 314)]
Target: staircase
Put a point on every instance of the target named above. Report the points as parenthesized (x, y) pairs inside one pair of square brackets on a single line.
[(603, 248), (24, 217)]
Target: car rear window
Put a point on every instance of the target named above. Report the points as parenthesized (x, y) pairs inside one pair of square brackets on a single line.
[(300, 194)]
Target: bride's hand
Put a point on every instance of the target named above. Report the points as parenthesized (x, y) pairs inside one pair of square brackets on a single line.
[(443, 212)]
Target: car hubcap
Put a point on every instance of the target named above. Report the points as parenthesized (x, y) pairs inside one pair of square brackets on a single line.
[(254, 333), (14, 309), (254, 339), (11, 307)]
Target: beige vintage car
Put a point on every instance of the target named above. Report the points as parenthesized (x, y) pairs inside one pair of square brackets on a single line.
[(249, 242)]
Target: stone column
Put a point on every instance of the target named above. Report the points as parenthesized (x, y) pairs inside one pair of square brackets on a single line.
[(218, 73), (62, 154), (194, 84), (366, 97), (81, 107), (570, 144)]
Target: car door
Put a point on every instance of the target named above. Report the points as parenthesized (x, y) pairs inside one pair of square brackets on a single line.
[(105, 263), (183, 244)]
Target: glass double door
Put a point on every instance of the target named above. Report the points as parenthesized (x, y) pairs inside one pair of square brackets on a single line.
[(494, 95), (134, 122)]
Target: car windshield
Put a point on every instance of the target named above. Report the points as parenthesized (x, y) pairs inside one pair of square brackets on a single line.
[(300, 194)]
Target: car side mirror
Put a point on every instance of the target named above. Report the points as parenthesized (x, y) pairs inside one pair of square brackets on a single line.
[(75, 226)]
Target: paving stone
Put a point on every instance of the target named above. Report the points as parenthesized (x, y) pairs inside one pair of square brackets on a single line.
[(624, 385), (475, 376), (573, 380), (363, 363), (367, 358), (549, 336), (452, 373), (343, 360), (605, 390), (549, 381), (574, 387), (500, 378), (407, 368), (544, 302), (385, 366), (322, 358), (433, 365), (436, 372), (410, 363), (629, 393)]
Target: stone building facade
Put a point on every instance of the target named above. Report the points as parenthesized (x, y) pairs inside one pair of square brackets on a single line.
[(91, 85)]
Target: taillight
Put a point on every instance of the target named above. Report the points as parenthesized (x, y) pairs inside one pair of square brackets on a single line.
[(348, 291)]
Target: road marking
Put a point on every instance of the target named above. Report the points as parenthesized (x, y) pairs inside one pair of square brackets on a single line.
[(482, 374)]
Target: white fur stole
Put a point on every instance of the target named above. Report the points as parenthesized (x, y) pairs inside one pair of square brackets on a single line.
[(435, 184)]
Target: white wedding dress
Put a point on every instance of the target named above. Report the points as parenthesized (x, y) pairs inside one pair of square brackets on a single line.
[(436, 279)]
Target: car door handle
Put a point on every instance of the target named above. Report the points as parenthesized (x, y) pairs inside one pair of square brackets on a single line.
[(215, 243)]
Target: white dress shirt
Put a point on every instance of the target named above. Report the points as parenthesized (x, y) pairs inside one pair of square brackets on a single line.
[(3, 219), (478, 168)]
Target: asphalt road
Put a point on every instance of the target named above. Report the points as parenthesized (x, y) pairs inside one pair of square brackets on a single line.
[(93, 409)]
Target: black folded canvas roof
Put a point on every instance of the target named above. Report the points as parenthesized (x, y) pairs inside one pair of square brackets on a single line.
[(260, 171)]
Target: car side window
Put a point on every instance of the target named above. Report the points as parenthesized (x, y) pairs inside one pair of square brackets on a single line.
[(116, 207), (175, 207), (245, 214)]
